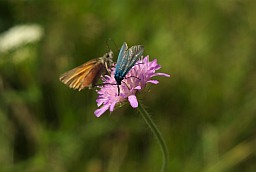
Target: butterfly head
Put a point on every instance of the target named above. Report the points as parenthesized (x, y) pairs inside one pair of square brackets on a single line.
[(107, 60), (109, 55)]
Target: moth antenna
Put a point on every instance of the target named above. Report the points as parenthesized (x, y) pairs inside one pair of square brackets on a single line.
[(118, 90)]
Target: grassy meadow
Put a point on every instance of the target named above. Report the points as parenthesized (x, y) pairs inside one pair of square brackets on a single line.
[(206, 110)]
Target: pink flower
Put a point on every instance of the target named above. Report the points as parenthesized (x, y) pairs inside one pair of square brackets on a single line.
[(134, 82)]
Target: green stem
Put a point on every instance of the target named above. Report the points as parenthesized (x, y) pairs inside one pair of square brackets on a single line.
[(145, 115)]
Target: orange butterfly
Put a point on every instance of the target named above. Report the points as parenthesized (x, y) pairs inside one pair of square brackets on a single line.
[(88, 73)]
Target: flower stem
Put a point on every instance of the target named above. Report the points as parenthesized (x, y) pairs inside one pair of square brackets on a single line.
[(145, 115)]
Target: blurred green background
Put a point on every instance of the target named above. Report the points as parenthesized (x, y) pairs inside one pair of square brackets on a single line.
[(206, 111)]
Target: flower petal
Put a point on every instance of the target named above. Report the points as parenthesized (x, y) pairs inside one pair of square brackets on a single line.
[(133, 101), (99, 102), (161, 74), (146, 59), (153, 81), (100, 111), (111, 109), (137, 88), (136, 79), (154, 63)]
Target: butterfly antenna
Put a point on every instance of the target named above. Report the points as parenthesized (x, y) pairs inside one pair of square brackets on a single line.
[(111, 40), (107, 44)]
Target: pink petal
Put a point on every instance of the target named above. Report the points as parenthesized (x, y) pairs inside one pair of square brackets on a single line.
[(99, 102), (137, 88), (133, 101), (111, 109), (100, 111), (107, 94), (154, 62), (153, 81), (145, 60), (161, 74), (157, 67)]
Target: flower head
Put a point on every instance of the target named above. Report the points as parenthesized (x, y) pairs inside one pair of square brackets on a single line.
[(134, 82)]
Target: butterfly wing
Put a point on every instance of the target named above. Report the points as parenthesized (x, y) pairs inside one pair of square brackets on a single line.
[(93, 76), (88, 73), (82, 76)]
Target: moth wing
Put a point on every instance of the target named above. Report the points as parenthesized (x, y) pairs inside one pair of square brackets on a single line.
[(121, 60), (132, 55)]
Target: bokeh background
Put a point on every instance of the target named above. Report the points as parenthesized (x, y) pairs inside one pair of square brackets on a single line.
[(206, 111)]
